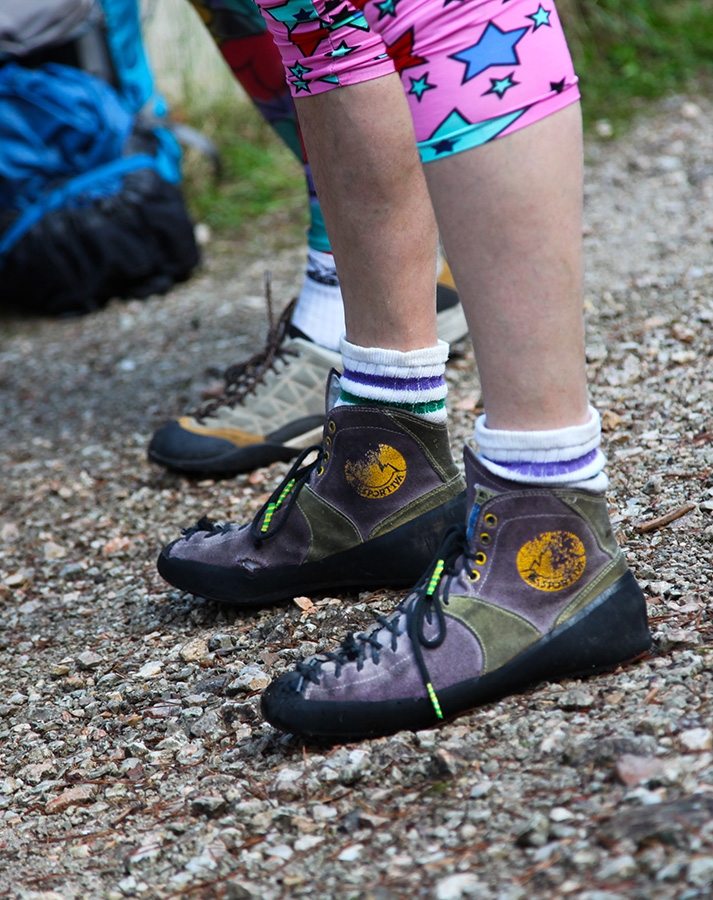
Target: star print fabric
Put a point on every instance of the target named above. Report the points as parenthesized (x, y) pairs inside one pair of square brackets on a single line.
[(472, 70)]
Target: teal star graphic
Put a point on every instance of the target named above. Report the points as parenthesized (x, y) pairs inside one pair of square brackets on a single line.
[(293, 13), (300, 85), (387, 8), (354, 19), (541, 17), (419, 86), (444, 138), (298, 70), (342, 50), (500, 86)]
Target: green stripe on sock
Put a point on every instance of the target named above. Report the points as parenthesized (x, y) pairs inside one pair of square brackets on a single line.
[(418, 409)]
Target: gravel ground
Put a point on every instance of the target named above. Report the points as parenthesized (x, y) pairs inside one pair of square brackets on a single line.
[(134, 762)]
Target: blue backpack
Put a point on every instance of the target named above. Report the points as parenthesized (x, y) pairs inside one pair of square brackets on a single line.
[(90, 206)]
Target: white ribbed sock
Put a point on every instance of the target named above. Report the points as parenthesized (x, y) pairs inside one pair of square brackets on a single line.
[(413, 380), (319, 312), (562, 456)]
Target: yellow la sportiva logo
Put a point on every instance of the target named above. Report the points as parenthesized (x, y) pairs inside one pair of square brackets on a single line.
[(552, 561), (379, 473)]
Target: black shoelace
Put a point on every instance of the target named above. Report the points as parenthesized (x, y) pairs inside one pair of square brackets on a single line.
[(283, 497), (421, 607)]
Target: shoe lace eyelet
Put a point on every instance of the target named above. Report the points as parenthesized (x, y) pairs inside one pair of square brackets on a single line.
[(320, 471), (328, 441), (490, 520), (325, 457), (485, 538), (331, 426), (473, 576), (480, 558)]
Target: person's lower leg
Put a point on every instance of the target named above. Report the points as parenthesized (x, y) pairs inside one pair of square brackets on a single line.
[(248, 48), (377, 210), (377, 207), (524, 291)]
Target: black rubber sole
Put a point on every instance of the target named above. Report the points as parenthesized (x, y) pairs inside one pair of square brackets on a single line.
[(396, 559), (609, 631), (225, 465)]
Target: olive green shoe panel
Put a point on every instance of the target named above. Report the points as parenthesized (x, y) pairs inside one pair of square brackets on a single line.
[(374, 469), (422, 505), (602, 582), (432, 439), (594, 510), (502, 634), (331, 530)]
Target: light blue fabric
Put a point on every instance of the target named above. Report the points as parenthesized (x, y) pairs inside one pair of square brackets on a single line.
[(127, 50), (136, 83)]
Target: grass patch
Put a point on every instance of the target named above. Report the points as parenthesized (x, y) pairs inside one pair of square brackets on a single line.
[(630, 52), (260, 177)]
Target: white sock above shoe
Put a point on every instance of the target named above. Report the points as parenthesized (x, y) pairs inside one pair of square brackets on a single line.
[(563, 456), (412, 380), (319, 312)]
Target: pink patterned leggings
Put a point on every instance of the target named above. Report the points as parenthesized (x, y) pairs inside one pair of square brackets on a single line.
[(472, 70)]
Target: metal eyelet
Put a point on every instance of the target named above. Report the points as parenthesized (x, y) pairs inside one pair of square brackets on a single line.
[(325, 456), (490, 520), (473, 576), (480, 558), (331, 427), (320, 470), (328, 441), (485, 538)]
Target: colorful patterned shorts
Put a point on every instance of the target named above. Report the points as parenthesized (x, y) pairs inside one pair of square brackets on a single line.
[(472, 70)]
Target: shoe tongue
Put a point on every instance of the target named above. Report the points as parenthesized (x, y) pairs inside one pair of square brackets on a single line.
[(333, 390)]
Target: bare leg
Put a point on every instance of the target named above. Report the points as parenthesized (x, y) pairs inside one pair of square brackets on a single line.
[(377, 210), (510, 215)]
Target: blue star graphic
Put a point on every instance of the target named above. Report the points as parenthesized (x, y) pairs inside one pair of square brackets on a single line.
[(444, 146), (345, 17), (419, 86), (499, 86), (301, 85), (495, 48), (541, 17)]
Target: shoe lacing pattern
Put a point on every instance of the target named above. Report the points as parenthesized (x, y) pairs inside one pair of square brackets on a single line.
[(244, 377), (423, 606), (285, 495), (207, 525)]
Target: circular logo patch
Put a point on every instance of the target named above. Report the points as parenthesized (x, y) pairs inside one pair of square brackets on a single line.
[(552, 561), (379, 473)]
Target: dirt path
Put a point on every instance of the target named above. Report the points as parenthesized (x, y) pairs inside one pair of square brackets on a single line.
[(133, 759)]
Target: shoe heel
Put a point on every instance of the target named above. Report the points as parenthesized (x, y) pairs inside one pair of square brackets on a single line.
[(611, 630)]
